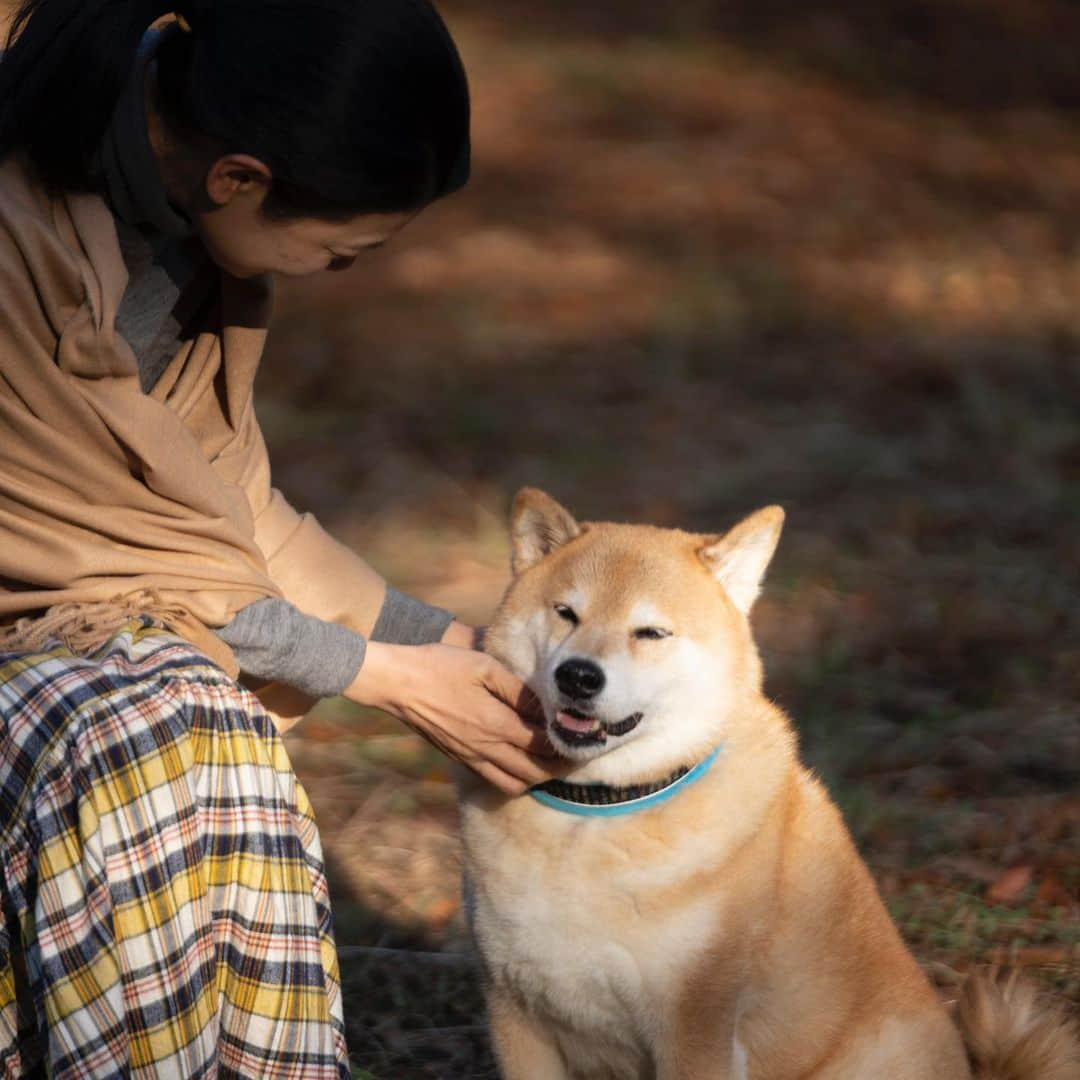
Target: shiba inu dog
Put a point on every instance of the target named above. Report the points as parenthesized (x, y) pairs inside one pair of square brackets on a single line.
[(688, 904)]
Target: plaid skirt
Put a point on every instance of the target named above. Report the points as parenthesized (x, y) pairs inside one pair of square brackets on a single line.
[(165, 910)]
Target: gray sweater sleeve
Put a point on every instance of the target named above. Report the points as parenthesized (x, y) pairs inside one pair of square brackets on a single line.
[(404, 620), (276, 641)]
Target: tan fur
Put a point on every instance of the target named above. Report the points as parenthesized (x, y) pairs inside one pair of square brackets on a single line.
[(1012, 1032), (731, 932)]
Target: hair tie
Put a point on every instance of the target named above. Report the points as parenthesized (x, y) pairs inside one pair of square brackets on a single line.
[(182, 23)]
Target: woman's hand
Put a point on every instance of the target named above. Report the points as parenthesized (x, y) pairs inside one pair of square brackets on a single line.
[(462, 636), (466, 704)]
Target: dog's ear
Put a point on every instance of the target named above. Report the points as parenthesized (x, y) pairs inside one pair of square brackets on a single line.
[(538, 525), (738, 559)]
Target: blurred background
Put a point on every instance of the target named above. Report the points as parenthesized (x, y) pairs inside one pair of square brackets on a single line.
[(718, 254)]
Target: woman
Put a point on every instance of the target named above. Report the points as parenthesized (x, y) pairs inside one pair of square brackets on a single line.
[(165, 911)]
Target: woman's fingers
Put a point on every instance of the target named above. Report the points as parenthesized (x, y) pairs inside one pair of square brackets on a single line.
[(526, 769), (533, 759), (524, 727), (528, 707), (539, 746), (508, 726), (508, 688), (467, 705), (507, 784)]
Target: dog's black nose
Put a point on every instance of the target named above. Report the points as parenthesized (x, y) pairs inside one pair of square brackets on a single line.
[(579, 678)]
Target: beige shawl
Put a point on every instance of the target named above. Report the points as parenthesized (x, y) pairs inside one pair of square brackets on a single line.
[(109, 496)]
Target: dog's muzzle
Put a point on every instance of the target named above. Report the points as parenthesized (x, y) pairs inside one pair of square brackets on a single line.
[(579, 679), (575, 728)]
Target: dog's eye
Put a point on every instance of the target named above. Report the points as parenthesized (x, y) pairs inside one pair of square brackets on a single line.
[(651, 633), (566, 613)]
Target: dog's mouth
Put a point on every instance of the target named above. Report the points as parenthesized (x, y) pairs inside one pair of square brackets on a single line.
[(575, 728)]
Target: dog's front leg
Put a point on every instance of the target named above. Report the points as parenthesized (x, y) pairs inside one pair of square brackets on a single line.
[(702, 1046), (717, 1061), (523, 1049)]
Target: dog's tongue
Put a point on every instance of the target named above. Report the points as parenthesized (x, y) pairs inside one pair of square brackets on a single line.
[(573, 723)]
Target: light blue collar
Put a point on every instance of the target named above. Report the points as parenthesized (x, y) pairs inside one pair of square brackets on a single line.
[(629, 805)]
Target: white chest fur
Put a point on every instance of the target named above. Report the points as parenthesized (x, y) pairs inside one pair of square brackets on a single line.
[(571, 924)]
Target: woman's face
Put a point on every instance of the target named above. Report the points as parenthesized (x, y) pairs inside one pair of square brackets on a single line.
[(245, 242)]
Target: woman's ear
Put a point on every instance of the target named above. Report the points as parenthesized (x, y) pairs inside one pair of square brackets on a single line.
[(233, 175)]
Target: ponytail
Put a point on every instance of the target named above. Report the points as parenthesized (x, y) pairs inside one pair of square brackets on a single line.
[(355, 106), (66, 64)]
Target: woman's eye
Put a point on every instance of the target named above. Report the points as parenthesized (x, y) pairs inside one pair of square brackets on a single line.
[(651, 633), (566, 613)]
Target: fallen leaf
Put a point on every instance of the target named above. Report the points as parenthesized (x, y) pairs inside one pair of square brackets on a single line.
[(1052, 892), (1010, 885)]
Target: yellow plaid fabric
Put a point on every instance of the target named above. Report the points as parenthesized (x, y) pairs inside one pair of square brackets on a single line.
[(164, 906)]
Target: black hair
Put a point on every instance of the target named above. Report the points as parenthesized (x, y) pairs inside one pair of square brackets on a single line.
[(355, 106)]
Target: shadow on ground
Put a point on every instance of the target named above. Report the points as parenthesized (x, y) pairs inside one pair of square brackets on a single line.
[(713, 258)]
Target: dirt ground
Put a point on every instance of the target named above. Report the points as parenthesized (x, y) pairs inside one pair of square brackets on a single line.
[(713, 257)]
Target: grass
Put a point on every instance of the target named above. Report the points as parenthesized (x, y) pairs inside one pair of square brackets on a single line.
[(704, 266), (960, 930)]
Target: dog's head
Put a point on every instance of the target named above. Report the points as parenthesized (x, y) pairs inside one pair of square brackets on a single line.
[(634, 638)]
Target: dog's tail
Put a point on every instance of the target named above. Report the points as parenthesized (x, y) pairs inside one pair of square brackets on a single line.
[(1013, 1032)]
